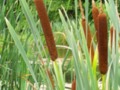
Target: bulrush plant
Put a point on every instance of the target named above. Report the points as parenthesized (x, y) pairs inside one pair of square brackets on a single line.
[(102, 42), (46, 28), (87, 33), (95, 13)]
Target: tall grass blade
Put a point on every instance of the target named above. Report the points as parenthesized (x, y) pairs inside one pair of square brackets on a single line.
[(59, 75), (110, 6), (20, 48)]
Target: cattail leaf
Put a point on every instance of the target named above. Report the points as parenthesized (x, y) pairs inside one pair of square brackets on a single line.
[(59, 75), (71, 42), (21, 50), (114, 17), (33, 28)]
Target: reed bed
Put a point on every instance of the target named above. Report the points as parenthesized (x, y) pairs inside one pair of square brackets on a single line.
[(26, 30)]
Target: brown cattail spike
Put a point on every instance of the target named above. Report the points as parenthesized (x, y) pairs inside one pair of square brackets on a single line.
[(73, 85), (102, 43), (81, 9), (46, 28), (89, 38), (95, 13), (87, 32)]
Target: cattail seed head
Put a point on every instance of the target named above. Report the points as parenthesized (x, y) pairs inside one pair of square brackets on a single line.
[(73, 85), (102, 43), (95, 13), (87, 32), (46, 28), (89, 38)]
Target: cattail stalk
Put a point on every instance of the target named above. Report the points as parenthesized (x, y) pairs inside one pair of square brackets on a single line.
[(87, 33), (46, 28), (73, 85), (102, 43), (95, 13)]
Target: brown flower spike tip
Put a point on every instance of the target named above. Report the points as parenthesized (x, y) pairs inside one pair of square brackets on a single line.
[(46, 28), (102, 43), (95, 13)]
